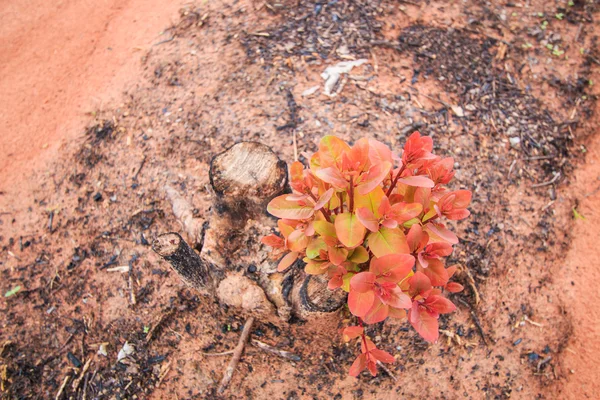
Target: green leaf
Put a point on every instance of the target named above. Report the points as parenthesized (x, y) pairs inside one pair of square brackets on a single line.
[(387, 241), (349, 230), (560, 16), (13, 291), (146, 329), (314, 247), (577, 215), (359, 255)]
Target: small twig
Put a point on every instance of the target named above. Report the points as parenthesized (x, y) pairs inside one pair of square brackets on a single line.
[(550, 182), (539, 158), (135, 176), (62, 387), (270, 349), (50, 219), (471, 282), (131, 288), (165, 41), (387, 370), (543, 362), (224, 353), (512, 165), (237, 354), (478, 325), (77, 381)]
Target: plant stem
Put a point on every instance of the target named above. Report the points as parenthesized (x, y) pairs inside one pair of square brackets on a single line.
[(351, 194), (393, 185), (341, 197), (326, 212)]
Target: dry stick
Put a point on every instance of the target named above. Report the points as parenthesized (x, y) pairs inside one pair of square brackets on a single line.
[(62, 387), (224, 353), (387, 371), (270, 349), (237, 354), (550, 182)]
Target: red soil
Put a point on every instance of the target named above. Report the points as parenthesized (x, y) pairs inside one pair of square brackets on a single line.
[(60, 61), (65, 59)]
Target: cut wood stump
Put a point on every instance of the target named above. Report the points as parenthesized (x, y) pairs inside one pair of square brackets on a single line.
[(232, 264)]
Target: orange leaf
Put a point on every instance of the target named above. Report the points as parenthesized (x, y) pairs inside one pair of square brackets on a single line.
[(287, 261), (352, 332), (360, 303), (283, 208), (368, 219), (454, 287)]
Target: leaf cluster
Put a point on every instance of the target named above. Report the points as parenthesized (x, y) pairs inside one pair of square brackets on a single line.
[(372, 221)]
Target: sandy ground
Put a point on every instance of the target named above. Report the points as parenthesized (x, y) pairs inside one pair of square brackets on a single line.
[(61, 61), (64, 60), (579, 276)]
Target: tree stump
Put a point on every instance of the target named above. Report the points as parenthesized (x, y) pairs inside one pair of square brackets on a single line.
[(232, 264)]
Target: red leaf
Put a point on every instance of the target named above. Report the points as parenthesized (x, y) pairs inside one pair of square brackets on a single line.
[(287, 261), (332, 176), (377, 313), (360, 303), (358, 365), (436, 272), (419, 283), (382, 356), (337, 255), (374, 177), (283, 208), (416, 238), (439, 232), (392, 267), (349, 230), (454, 287), (451, 270), (273, 240), (424, 323), (418, 181), (439, 249), (379, 152), (440, 304), (397, 299), (402, 212), (368, 219), (363, 282), (352, 332)]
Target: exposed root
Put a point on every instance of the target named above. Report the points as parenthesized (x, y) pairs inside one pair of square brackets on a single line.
[(237, 354), (184, 212)]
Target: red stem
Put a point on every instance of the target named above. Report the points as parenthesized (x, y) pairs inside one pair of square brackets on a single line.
[(393, 185), (351, 194), (325, 211)]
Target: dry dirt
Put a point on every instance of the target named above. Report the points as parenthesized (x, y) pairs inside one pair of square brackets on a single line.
[(82, 172)]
